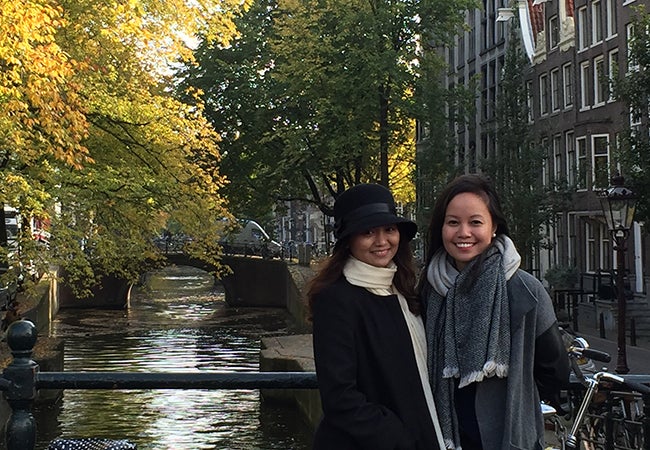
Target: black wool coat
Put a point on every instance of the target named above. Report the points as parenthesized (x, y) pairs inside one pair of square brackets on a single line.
[(368, 379)]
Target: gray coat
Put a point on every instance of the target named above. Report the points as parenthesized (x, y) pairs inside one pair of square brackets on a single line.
[(508, 409)]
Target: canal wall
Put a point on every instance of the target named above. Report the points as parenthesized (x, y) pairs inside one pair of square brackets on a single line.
[(293, 353), (39, 304)]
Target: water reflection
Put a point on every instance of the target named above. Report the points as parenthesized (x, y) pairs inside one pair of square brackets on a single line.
[(178, 322)]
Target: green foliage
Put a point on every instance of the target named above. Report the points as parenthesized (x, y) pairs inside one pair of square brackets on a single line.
[(634, 91), (92, 139), (562, 277), (516, 167), (314, 96)]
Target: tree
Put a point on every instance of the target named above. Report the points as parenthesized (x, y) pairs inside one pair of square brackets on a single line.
[(515, 168), (93, 129), (325, 94), (634, 91)]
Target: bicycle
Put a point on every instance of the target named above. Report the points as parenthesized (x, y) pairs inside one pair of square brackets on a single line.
[(612, 420)]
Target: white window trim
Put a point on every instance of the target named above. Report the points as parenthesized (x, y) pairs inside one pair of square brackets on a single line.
[(553, 45), (530, 101), (584, 85), (628, 35), (594, 156), (596, 6), (557, 159), (581, 14), (567, 68), (569, 139), (610, 10), (556, 103), (577, 153), (611, 67), (597, 82), (544, 104)]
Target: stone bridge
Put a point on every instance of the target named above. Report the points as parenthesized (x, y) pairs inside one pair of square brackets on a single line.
[(253, 281)]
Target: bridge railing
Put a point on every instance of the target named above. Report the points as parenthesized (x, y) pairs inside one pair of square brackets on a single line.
[(22, 379)]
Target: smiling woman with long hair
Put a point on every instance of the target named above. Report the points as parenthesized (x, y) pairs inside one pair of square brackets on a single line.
[(494, 346), (369, 341)]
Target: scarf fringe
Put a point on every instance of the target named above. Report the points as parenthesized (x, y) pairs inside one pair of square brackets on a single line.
[(450, 372), (490, 369)]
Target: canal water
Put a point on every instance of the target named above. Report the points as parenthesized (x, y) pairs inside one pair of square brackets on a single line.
[(178, 322)]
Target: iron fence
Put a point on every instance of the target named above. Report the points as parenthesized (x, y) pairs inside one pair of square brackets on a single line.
[(22, 379)]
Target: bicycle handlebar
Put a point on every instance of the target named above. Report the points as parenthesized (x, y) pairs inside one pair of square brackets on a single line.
[(636, 386), (596, 355)]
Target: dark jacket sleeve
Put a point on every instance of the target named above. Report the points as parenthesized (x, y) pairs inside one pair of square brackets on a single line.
[(346, 408), (552, 367)]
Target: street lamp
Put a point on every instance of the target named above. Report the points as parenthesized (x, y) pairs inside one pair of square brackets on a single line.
[(618, 203)]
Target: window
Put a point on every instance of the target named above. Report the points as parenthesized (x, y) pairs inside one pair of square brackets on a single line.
[(600, 81), (583, 29), (613, 73), (596, 22), (492, 88), (632, 65), (543, 94), (553, 32), (555, 90), (558, 174), (484, 91), (570, 150), (584, 85), (529, 100), (471, 37), (545, 171), (581, 148), (600, 146), (452, 57), (611, 18), (590, 241), (567, 80), (635, 120)]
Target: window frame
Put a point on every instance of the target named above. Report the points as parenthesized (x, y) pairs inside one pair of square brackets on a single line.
[(596, 22), (581, 163), (571, 157), (598, 180), (585, 76), (543, 94), (555, 90), (583, 29), (600, 82), (567, 85)]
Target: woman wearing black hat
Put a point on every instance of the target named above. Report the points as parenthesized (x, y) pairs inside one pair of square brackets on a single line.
[(369, 339)]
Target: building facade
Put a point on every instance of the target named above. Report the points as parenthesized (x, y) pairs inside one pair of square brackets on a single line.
[(575, 47)]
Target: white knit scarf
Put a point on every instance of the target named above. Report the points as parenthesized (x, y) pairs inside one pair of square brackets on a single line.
[(379, 281), (468, 329)]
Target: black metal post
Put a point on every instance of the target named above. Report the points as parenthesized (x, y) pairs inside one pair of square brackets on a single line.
[(619, 238), (20, 383)]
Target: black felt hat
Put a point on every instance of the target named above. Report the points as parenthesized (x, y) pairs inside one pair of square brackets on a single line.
[(367, 206)]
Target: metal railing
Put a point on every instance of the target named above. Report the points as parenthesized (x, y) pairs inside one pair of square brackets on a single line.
[(22, 379)]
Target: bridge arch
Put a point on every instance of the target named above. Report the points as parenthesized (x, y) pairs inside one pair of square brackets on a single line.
[(253, 281)]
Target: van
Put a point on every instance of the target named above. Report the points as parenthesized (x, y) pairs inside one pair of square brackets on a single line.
[(250, 239)]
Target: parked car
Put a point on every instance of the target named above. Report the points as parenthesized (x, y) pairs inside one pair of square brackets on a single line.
[(250, 239)]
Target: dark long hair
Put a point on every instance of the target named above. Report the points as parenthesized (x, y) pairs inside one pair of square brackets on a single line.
[(475, 184), (332, 269)]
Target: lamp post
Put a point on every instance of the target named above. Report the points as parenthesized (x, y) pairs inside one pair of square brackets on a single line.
[(618, 203)]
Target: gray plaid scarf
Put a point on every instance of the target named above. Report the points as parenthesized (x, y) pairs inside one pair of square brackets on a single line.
[(468, 326)]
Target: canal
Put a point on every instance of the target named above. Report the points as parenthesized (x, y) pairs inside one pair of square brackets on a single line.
[(178, 322)]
